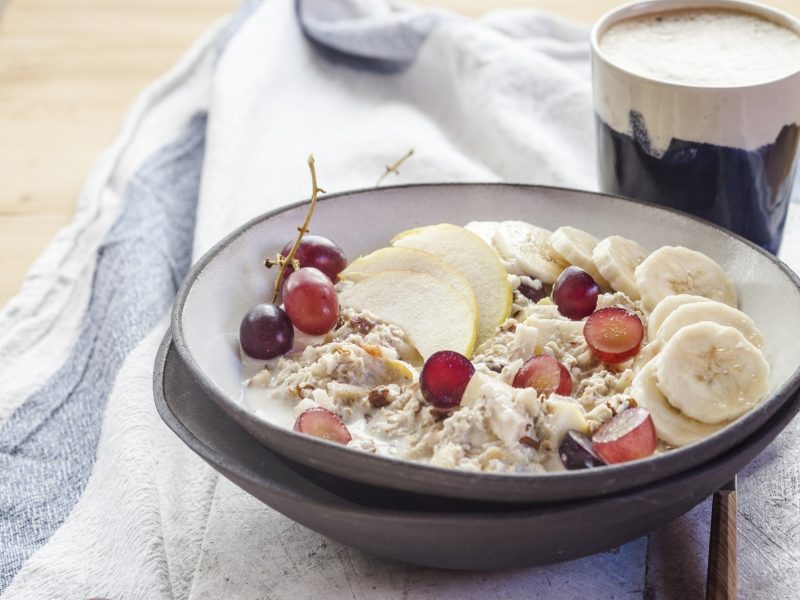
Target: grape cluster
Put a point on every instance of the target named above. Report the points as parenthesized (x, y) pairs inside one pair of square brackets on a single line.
[(310, 302)]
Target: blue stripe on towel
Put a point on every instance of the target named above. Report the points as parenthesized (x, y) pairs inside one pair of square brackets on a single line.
[(47, 447), (352, 35)]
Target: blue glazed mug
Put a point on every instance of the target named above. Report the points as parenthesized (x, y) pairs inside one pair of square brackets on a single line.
[(726, 154)]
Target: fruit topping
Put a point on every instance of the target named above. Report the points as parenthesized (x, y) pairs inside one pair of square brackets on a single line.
[(577, 246), (444, 378), (678, 270), (311, 301), (408, 259), (546, 375), (266, 332), (614, 334), (531, 293), (318, 252), (468, 254), (711, 373), (575, 293), (672, 426), (322, 423), (527, 247), (576, 451), (434, 315), (628, 436), (616, 258)]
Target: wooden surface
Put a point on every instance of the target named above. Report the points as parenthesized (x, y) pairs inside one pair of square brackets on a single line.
[(722, 547), (69, 69)]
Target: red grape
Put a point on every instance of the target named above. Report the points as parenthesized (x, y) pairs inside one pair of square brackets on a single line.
[(614, 334), (546, 375), (322, 423), (266, 332), (628, 436), (576, 451), (311, 301), (575, 293), (444, 378), (318, 252), (531, 293)]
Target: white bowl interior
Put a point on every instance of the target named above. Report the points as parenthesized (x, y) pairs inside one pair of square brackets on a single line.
[(235, 280)]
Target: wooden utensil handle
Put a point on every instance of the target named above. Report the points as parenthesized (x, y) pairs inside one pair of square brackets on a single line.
[(721, 583)]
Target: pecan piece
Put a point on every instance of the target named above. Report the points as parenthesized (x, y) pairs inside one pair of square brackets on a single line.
[(379, 397)]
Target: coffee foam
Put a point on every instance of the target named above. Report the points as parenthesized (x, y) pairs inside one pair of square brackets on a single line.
[(705, 47)]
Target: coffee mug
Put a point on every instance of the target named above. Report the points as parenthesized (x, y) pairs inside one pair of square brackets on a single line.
[(724, 152)]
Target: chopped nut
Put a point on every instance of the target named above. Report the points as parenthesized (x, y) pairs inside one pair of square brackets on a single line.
[(361, 324), (526, 440), (379, 397)]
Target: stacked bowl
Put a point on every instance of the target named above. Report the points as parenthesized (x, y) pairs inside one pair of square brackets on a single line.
[(440, 517)]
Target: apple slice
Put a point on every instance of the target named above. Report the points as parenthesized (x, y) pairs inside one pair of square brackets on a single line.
[(435, 315), (475, 260), (408, 259)]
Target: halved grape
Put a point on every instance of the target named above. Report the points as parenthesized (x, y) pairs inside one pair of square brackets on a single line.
[(322, 423), (576, 451), (546, 375), (575, 293), (266, 332), (444, 378), (614, 334), (628, 436), (311, 301), (318, 252)]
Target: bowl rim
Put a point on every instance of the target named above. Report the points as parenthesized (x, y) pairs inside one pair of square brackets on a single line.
[(422, 473)]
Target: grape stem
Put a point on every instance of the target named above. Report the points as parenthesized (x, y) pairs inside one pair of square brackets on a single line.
[(289, 260), (392, 168)]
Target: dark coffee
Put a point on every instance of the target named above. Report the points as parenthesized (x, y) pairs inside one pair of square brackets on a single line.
[(746, 191)]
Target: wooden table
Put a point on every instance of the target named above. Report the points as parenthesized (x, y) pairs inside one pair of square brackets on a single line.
[(69, 69)]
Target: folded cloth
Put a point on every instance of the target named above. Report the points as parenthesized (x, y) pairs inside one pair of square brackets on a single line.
[(99, 499)]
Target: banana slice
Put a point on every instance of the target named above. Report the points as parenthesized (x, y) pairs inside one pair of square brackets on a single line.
[(616, 258), (711, 372), (577, 246), (486, 230), (529, 247), (677, 270), (664, 308), (672, 426), (713, 311)]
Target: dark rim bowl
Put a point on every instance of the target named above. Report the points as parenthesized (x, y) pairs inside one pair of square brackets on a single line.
[(229, 279)]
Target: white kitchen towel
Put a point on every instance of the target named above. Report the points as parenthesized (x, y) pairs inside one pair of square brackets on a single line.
[(98, 498)]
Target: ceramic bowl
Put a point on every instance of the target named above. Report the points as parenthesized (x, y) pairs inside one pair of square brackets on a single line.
[(230, 278), (429, 530)]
